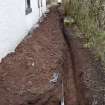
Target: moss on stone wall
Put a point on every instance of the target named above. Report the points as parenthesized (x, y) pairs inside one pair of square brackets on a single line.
[(90, 17)]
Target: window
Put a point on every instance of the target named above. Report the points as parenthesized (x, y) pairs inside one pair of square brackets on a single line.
[(40, 3), (28, 7)]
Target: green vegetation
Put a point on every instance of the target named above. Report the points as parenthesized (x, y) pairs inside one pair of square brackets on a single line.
[(89, 15)]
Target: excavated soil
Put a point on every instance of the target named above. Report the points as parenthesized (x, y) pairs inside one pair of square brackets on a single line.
[(50, 64), (25, 76)]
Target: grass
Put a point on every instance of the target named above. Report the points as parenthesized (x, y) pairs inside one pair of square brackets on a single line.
[(89, 15)]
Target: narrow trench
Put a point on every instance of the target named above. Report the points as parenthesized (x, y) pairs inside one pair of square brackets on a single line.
[(71, 57), (79, 95)]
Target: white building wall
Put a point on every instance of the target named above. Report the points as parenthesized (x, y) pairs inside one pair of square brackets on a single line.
[(14, 24)]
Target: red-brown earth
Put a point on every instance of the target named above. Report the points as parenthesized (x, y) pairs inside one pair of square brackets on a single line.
[(27, 76)]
